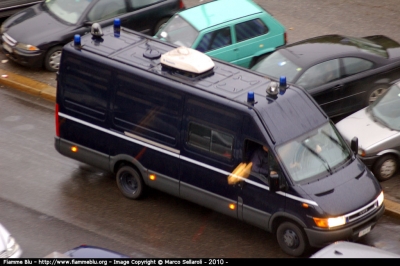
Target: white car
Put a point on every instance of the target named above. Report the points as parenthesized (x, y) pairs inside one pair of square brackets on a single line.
[(8, 247), (343, 249), (377, 128)]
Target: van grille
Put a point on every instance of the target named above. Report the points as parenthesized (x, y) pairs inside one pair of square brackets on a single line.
[(358, 214)]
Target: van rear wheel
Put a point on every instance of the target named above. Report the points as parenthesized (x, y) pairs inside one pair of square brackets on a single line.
[(130, 183), (291, 239)]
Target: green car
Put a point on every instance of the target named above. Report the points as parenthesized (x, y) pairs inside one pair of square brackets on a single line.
[(237, 31)]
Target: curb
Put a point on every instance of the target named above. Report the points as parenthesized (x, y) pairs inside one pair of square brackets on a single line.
[(48, 92), (28, 85)]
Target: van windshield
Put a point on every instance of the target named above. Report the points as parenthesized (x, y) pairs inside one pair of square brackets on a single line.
[(314, 155), (178, 31), (386, 109)]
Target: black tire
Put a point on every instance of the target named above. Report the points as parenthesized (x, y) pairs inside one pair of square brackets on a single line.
[(52, 59), (292, 239), (385, 167), (159, 25), (130, 183), (376, 92)]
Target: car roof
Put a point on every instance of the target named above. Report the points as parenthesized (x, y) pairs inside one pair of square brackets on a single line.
[(321, 48), (217, 12), (344, 249)]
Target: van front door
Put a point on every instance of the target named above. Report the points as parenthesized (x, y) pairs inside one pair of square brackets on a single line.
[(256, 203)]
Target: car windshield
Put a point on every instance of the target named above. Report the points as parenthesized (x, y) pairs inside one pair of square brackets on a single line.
[(314, 155), (67, 10), (178, 31), (386, 109), (277, 65)]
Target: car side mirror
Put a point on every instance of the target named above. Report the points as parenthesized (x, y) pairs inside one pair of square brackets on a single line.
[(354, 145)]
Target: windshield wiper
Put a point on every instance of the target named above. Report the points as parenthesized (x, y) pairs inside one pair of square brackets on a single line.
[(319, 157)]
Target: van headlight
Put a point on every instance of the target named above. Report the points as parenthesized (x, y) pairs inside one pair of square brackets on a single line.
[(330, 222), (27, 47), (361, 152), (380, 199)]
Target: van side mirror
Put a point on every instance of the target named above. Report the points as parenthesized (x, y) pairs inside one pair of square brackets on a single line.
[(354, 145), (273, 181)]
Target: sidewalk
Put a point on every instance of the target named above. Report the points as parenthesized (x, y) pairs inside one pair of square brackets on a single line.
[(9, 77)]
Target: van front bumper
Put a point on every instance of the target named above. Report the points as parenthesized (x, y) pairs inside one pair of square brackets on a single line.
[(319, 238)]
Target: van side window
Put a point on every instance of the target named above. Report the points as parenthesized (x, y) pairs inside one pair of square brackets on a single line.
[(210, 140), (215, 39), (250, 29), (87, 92), (147, 109)]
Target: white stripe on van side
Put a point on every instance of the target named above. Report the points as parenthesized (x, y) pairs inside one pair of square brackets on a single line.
[(120, 135), (177, 155)]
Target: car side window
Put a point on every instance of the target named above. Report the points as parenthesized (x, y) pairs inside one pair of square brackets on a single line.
[(211, 140), (320, 74), (137, 4), (353, 65), (250, 29), (215, 39), (105, 9)]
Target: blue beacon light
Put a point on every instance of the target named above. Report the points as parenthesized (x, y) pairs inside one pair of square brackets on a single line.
[(250, 97), (282, 85), (77, 40), (117, 27)]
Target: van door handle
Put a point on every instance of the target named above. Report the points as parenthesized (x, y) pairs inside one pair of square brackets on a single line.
[(235, 49)]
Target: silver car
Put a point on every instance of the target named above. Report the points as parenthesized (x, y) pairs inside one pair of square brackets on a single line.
[(344, 249), (377, 128), (8, 247)]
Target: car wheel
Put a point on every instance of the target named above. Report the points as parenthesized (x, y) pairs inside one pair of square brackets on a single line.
[(159, 25), (52, 59), (385, 167), (376, 93), (130, 183), (291, 239)]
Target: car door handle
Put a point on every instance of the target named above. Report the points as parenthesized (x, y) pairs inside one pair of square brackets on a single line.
[(337, 87)]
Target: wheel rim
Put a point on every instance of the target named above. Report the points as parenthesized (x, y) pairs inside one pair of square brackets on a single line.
[(388, 168), (128, 182), (291, 239), (375, 94), (54, 60)]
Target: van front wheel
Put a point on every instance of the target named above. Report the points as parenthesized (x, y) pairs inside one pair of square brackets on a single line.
[(291, 239), (130, 183)]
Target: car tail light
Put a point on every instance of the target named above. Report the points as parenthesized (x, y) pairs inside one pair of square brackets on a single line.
[(285, 36), (181, 5), (57, 121)]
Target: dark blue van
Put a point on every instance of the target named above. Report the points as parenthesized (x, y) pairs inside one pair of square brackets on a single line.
[(140, 108)]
